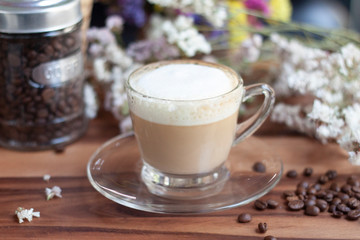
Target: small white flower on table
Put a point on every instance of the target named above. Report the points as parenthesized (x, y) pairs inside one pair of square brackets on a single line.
[(46, 177), (51, 192), (28, 214)]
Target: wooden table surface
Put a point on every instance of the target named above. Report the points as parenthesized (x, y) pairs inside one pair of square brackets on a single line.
[(82, 212)]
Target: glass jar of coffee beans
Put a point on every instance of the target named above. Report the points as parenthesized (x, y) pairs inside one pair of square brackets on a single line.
[(41, 74)]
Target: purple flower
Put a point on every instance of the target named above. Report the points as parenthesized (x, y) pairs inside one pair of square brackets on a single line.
[(133, 11), (152, 50), (258, 5)]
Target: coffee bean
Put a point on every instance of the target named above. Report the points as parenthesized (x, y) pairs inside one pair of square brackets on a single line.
[(262, 227), (353, 203), (355, 189), (321, 204), (343, 196), (312, 210), (357, 196), (354, 183), (291, 174), (346, 188), (292, 198), (270, 238), (328, 197), (335, 187), (303, 184), (323, 179), (336, 201), (353, 214), (288, 194), (259, 167), (311, 191), (272, 204), (301, 191), (296, 205), (337, 214), (317, 186), (321, 194), (331, 174), (310, 202), (48, 94), (332, 208), (343, 208), (311, 197), (308, 172), (260, 205), (244, 218)]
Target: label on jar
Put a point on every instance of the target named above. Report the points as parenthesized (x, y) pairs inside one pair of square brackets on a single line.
[(59, 71)]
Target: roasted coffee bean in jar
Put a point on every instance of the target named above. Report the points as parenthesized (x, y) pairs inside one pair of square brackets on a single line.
[(41, 74)]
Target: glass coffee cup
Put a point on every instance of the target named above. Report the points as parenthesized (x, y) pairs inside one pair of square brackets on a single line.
[(184, 114)]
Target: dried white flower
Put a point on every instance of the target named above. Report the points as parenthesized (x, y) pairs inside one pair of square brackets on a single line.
[(46, 177), (214, 11), (114, 22), (91, 104), (126, 125), (53, 192), (183, 33), (28, 214)]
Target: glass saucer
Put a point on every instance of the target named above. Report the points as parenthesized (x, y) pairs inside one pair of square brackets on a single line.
[(114, 170)]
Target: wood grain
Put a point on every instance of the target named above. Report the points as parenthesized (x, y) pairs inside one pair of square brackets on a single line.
[(83, 213)]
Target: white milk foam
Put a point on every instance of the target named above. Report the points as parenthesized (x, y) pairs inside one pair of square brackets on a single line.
[(186, 82)]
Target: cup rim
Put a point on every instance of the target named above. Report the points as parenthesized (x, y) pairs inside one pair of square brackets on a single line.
[(158, 64)]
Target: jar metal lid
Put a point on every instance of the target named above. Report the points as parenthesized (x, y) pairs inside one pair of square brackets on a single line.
[(35, 16)]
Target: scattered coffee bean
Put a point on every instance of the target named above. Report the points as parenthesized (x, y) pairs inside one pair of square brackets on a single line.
[(336, 201), (321, 194), (270, 238), (321, 204), (323, 179), (328, 197), (292, 198), (343, 208), (310, 202), (331, 174), (311, 191), (317, 186), (355, 189), (288, 194), (244, 218), (260, 205), (353, 214), (335, 187), (291, 174), (312, 210), (353, 181), (308, 172), (272, 204), (303, 184), (259, 167), (353, 203), (311, 197), (346, 188), (296, 205), (342, 196), (337, 214), (262, 227), (332, 208), (301, 191)]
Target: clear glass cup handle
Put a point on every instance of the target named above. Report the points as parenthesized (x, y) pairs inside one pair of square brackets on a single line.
[(248, 127)]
